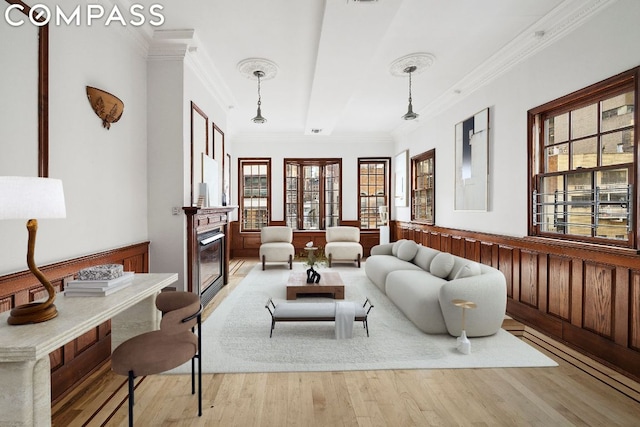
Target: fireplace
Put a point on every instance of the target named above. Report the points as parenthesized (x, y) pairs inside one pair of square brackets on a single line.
[(207, 250), (210, 274)]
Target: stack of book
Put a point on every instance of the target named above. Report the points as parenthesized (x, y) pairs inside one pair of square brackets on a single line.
[(98, 287)]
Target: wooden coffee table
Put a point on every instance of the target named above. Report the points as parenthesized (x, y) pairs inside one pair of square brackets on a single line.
[(330, 285)]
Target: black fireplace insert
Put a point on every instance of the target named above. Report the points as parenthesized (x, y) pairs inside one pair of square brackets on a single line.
[(210, 265)]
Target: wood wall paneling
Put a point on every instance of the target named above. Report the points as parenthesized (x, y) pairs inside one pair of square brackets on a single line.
[(598, 299), (634, 316), (487, 254), (472, 249), (434, 241), (577, 291), (529, 278), (588, 296), (559, 286), (457, 246), (621, 307), (505, 264)]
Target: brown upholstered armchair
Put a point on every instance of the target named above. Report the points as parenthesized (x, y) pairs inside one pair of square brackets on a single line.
[(169, 347)]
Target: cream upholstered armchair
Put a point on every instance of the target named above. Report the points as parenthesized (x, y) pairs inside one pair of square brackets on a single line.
[(343, 244), (276, 245)]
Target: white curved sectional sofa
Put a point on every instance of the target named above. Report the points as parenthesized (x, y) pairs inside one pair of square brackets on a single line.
[(423, 281)]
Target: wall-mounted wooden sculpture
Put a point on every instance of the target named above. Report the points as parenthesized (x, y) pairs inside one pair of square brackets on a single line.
[(107, 106)]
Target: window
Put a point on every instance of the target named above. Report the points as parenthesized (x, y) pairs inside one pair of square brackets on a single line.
[(255, 200), (373, 182), (312, 193), (423, 187), (583, 165)]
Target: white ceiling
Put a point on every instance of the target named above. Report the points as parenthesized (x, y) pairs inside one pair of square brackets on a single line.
[(333, 56)]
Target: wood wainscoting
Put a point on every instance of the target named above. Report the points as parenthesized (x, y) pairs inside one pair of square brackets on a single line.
[(245, 244), (587, 296), (77, 359)]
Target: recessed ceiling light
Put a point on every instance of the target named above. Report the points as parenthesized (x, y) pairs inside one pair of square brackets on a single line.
[(316, 130)]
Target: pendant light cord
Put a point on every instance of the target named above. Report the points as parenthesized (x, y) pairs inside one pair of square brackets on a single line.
[(259, 97)]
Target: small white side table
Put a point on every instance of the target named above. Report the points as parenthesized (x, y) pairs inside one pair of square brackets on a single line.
[(384, 234), (464, 345)]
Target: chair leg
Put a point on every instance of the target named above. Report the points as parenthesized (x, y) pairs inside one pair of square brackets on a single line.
[(193, 374), (358, 260), (131, 399), (199, 366), (290, 262), (193, 367), (263, 262), (330, 256)]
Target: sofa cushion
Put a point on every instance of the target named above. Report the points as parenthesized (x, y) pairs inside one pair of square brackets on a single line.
[(415, 293), (442, 264), (407, 250), (378, 267), (396, 245), (383, 249), (468, 270), (424, 256)]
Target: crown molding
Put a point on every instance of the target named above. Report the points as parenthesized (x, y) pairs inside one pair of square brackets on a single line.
[(183, 45), (204, 67), (562, 20), (171, 44)]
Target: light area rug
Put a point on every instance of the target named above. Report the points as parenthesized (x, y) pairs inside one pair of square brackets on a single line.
[(235, 337)]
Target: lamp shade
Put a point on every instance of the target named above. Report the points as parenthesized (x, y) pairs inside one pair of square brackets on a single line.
[(24, 197)]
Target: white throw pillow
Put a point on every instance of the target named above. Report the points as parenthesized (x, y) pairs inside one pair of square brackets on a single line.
[(424, 256), (407, 250), (396, 245), (442, 265), (468, 270)]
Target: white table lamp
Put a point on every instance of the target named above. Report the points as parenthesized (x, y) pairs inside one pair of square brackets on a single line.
[(29, 198)]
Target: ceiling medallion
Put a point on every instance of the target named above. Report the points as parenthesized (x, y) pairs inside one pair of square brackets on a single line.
[(421, 61), (249, 66)]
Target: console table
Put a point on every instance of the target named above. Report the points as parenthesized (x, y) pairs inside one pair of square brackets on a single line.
[(25, 394)]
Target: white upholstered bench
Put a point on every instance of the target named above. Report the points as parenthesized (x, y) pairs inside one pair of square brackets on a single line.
[(313, 312)]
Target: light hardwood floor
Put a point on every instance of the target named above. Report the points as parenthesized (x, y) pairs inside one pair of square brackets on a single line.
[(575, 393)]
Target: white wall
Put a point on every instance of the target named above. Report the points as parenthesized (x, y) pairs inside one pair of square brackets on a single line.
[(279, 147), (172, 84), (166, 177), (104, 172), (603, 47), (197, 91)]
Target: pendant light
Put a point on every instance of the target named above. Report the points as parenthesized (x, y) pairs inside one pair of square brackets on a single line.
[(411, 64), (258, 118), (258, 69), (410, 115)]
